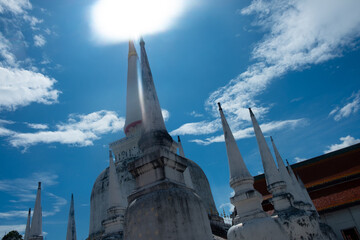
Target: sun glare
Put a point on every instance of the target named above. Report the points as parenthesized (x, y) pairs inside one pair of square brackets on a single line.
[(120, 20)]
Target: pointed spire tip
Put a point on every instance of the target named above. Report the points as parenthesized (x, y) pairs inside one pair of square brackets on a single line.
[(132, 50), (39, 185), (179, 139), (110, 154), (220, 109), (271, 138)]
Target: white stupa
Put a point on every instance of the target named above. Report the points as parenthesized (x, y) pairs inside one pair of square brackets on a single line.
[(127, 150), (36, 222), (71, 227)]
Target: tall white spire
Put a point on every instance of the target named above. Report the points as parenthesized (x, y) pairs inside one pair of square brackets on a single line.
[(237, 166), (290, 184), (155, 133), (246, 199), (117, 203), (301, 187), (133, 108), (270, 169), (71, 228), (27, 229), (291, 172), (281, 199), (307, 196), (152, 117), (36, 223), (181, 149), (116, 198)]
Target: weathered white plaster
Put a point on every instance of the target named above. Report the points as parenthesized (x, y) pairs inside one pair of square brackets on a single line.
[(116, 197), (263, 228), (162, 207), (99, 196), (299, 224), (150, 107)]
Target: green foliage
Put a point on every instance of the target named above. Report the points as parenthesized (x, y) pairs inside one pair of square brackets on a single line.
[(13, 235)]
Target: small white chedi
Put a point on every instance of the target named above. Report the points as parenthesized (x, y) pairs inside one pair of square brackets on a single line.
[(294, 217)]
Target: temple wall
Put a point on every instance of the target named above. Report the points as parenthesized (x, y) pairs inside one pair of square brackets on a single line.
[(170, 212), (342, 219)]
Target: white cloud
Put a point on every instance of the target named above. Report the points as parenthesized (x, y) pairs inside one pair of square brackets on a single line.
[(346, 141), (80, 130), (19, 87), (20, 81), (249, 132), (33, 22), (8, 228), (197, 128), (13, 214), (299, 159), (5, 132), (195, 114), (47, 31), (24, 190), (3, 122), (166, 114), (300, 34), (349, 108), (297, 36), (15, 6), (228, 206), (57, 204), (39, 40), (5, 52), (296, 99), (37, 126), (110, 18)]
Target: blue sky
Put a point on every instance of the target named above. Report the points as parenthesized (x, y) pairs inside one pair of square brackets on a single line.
[(63, 90)]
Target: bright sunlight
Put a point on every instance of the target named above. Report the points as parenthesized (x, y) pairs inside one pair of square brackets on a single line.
[(120, 20)]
